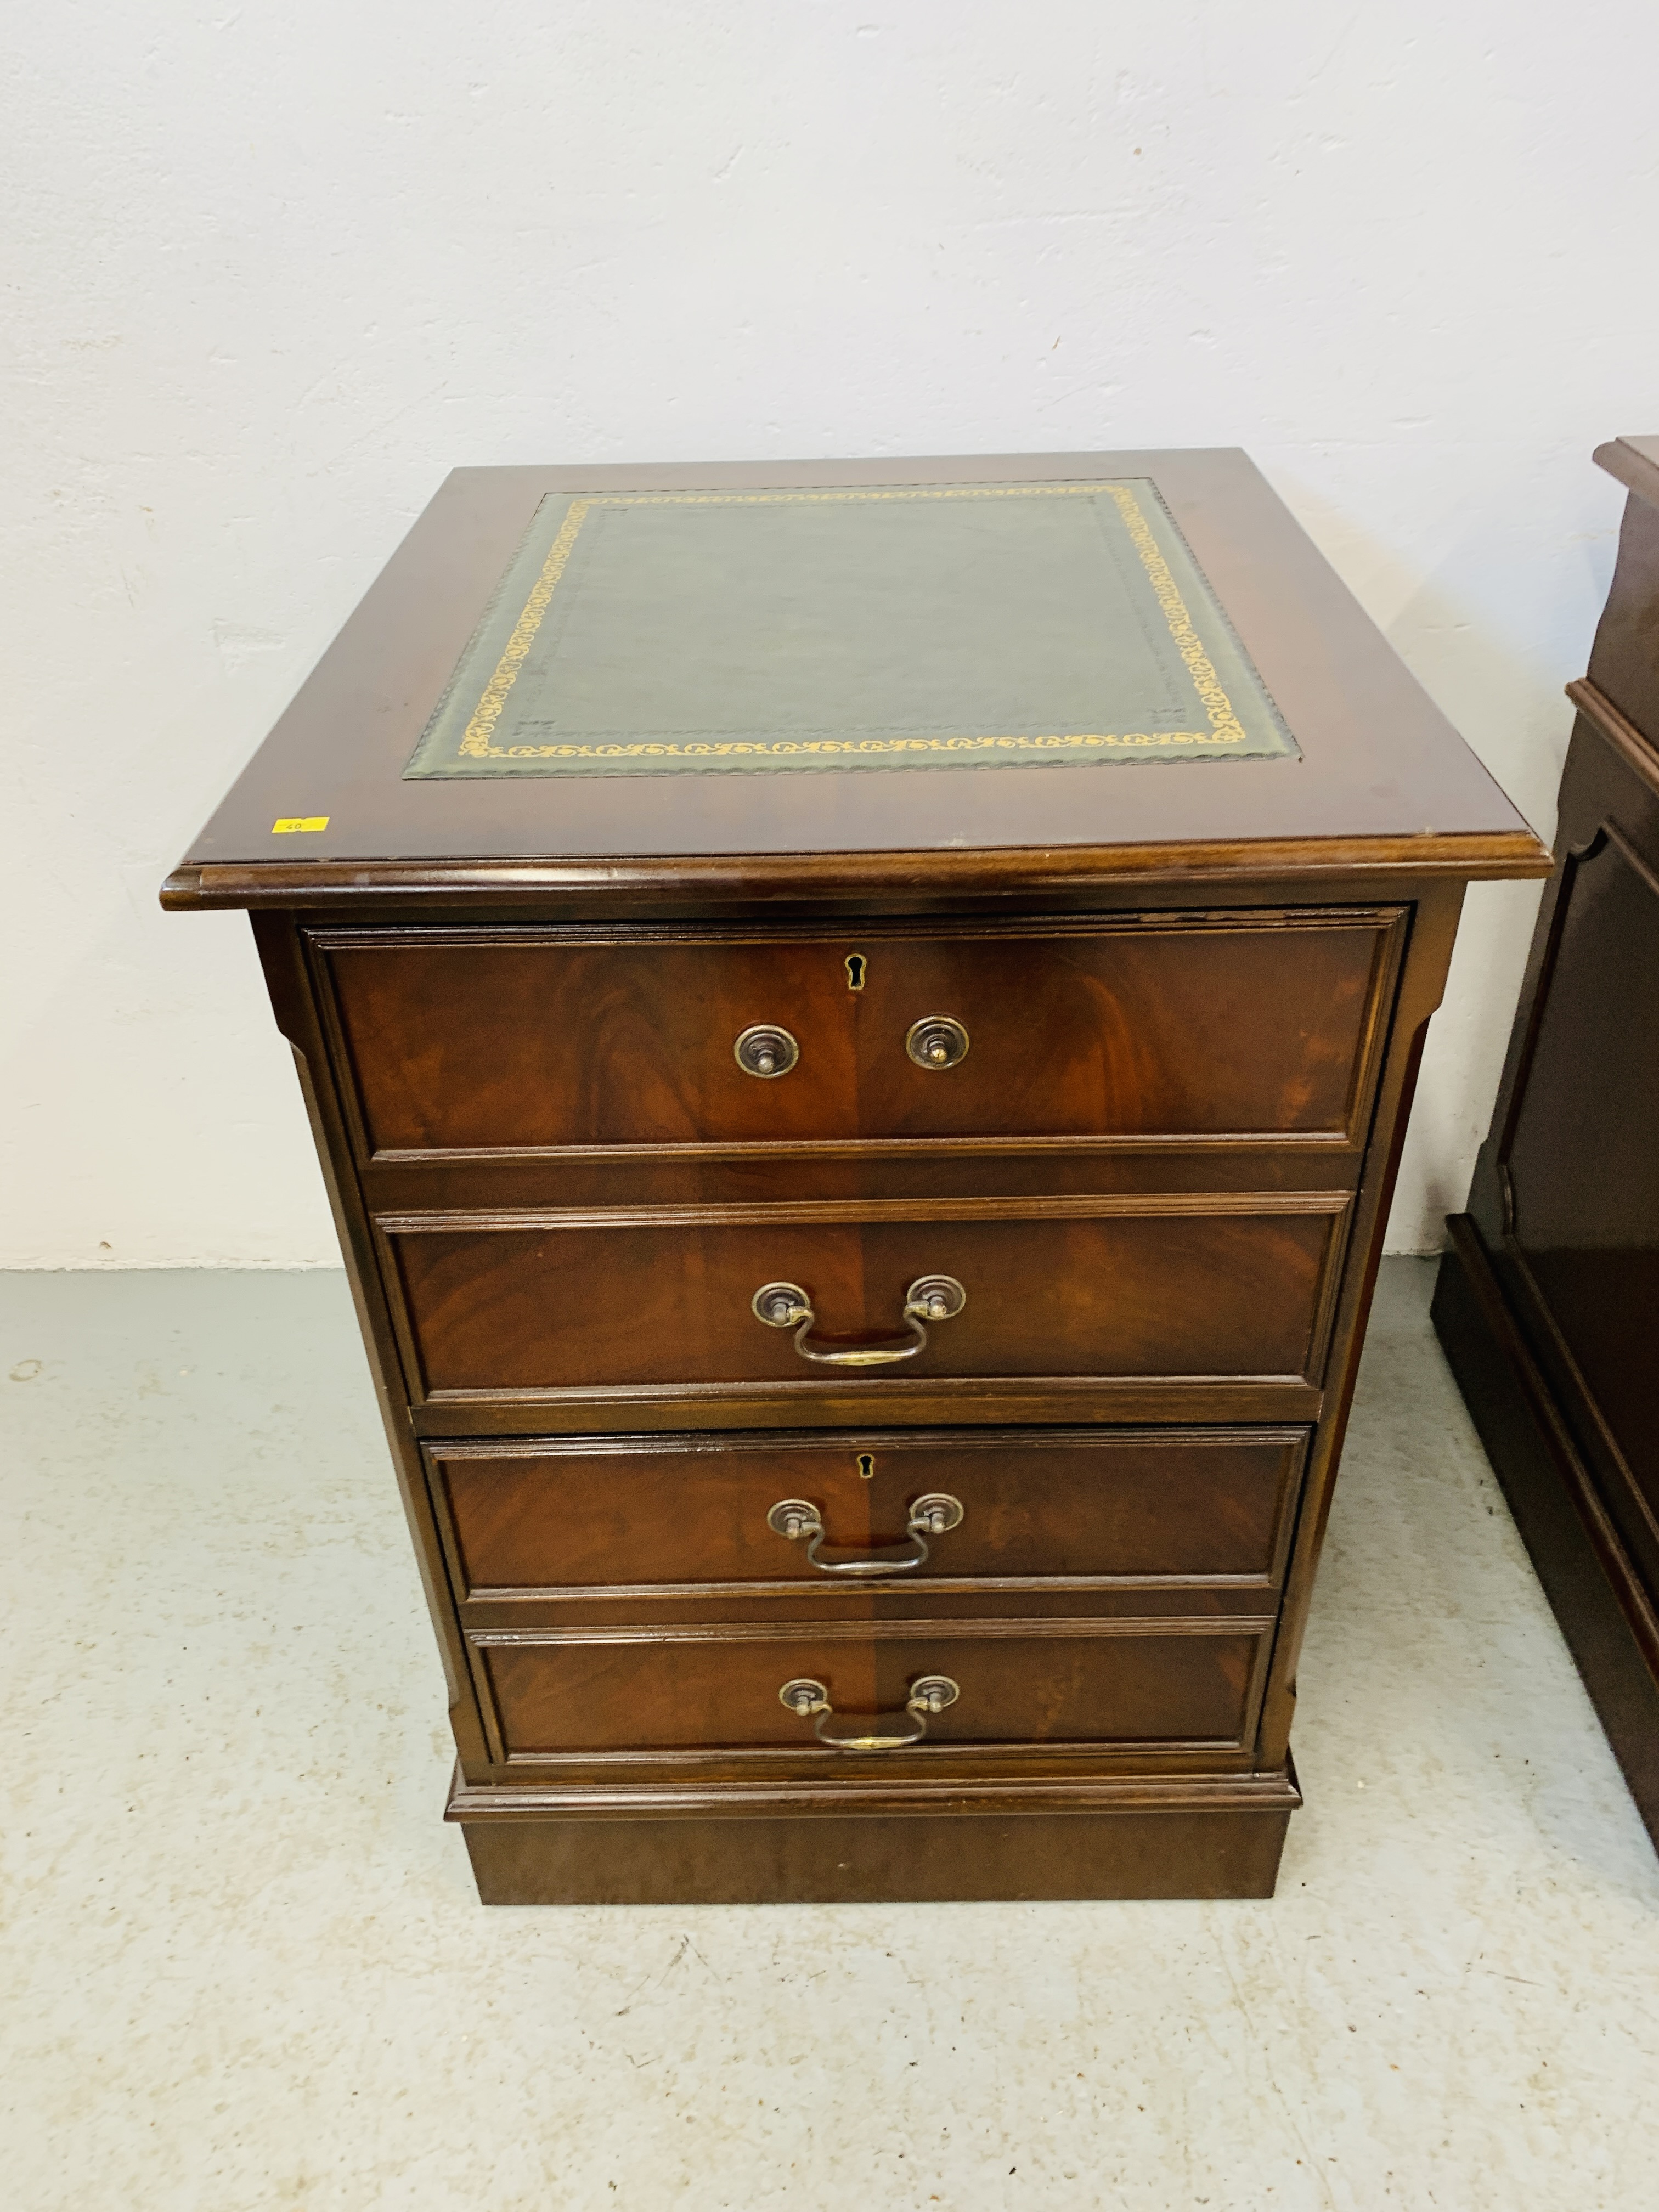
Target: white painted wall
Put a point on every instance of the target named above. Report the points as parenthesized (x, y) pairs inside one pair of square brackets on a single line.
[(273, 269)]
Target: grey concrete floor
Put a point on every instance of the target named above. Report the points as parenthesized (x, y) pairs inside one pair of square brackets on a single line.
[(244, 1965)]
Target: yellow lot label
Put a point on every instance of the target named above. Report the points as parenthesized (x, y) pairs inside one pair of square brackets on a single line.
[(298, 822)]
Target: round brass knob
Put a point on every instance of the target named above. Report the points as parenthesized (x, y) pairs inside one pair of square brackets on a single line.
[(795, 1517), (805, 1696), (936, 1042), (935, 1298), (936, 1514), (766, 1050)]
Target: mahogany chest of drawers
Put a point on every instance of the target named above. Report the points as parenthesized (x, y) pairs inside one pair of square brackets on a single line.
[(864, 1263)]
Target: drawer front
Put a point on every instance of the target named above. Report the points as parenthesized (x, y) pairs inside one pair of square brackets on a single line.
[(1169, 1506), (1229, 1286), (1181, 1026), (1142, 1683)]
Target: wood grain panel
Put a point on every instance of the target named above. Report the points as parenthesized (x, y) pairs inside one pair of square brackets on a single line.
[(1168, 1682), (1164, 1290), (1180, 1025), (1173, 1506), (1196, 1851)]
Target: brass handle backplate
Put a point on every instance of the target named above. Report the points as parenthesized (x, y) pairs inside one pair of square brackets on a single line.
[(766, 1050), (929, 1694), (932, 1515), (936, 1041), (929, 1298)]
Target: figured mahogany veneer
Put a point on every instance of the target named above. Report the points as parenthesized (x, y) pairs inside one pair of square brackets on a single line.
[(521, 1041), (1169, 1683), (1193, 997), (685, 1516), (1228, 1286)]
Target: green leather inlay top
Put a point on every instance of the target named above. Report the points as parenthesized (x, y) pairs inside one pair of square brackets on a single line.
[(940, 627)]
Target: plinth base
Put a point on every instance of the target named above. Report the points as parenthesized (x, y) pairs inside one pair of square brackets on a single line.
[(521, 1856)]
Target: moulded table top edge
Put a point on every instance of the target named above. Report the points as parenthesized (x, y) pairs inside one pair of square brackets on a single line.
[(772, 879), (1382, 766)]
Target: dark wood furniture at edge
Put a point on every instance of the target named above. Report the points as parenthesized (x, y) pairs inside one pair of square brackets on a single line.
[(1547, 1299), (1198, 996)]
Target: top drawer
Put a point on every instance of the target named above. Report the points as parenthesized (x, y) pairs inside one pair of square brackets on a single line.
[(527, 1040)]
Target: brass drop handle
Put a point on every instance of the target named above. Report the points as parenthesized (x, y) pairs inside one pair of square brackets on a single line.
[(929, 1298), (929, 1694), (766, 1050), (936, 1041), (932, 1515)]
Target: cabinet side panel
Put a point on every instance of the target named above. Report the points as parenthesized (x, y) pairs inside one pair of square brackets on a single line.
[(1422, 984), (290, 984)]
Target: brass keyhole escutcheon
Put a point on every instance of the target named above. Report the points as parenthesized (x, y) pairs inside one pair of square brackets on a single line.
[(866, 1467), (936, 1042), (766, 1050), (856, 964)]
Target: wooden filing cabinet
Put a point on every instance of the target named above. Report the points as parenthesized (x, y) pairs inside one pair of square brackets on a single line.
[(865, 1265)]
